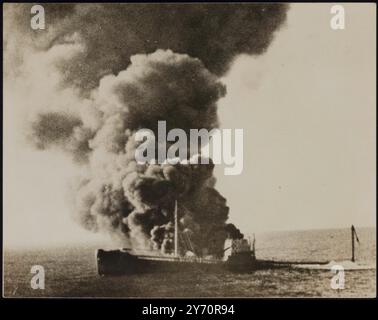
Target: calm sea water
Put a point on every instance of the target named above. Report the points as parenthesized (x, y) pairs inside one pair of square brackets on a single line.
[(70, 272)]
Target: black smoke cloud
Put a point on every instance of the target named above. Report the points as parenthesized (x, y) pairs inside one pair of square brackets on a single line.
[(137, 64), (62, 130), (112, 33)]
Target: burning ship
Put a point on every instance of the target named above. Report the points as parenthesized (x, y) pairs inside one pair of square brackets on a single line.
[(127, 76), (238, 257)]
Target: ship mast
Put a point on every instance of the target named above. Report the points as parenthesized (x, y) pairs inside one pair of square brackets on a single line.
[(176, 230)]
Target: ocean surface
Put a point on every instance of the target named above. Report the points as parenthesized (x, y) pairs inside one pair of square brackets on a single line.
[(71, 272)]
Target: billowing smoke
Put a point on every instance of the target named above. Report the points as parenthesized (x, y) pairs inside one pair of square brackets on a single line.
[(112, 33), (133, 65)]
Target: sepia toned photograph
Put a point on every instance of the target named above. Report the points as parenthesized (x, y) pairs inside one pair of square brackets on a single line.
[(189, 150)]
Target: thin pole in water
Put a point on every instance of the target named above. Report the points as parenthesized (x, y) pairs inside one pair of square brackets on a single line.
[(354, 235), (352, 231)]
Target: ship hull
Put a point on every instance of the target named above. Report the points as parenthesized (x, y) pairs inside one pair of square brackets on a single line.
[(116, 262)]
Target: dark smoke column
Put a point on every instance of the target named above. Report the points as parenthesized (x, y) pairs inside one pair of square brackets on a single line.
[(143, 63), (112, 33)]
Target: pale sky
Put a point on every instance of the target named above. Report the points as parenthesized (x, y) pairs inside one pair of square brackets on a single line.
[(307, 108)]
